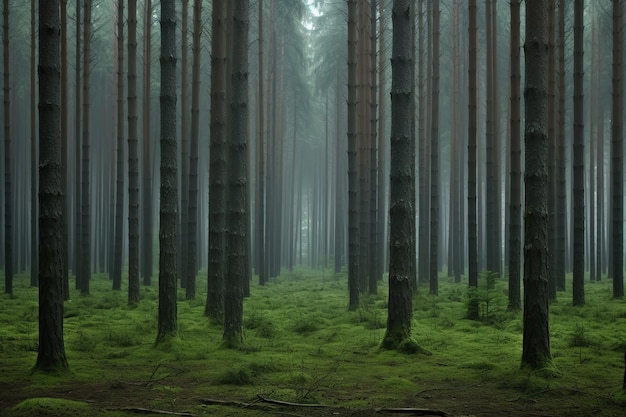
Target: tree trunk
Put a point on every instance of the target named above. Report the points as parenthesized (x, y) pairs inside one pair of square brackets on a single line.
[(8, 195), (434, 156), (515, 207), (133, 159), (51, 352), (85, 239), (64, 147), (353, 197), (214, 307), (374, 253), (471, 159), (551, 156), (536, 339), (237, 233), (578, 198), (617, 174), (33, 152), (146, 191), (169, 190), (382, 141), (78, 226), (119, 195), (260, 164), (561, 211), (192, 218), (424, 182), (183, 239), (402, 168)]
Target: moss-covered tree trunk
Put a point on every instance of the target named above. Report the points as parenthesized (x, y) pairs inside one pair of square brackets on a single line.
[(51, 352), (536, 342), (402, 168), (169, 181)]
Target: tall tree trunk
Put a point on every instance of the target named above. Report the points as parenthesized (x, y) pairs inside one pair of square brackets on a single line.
[(237, 234), (471, 159), (34, 272), (146, 190), (214, 307), (578, 198), (617, 174), (434, 156), (119, 194), (192, 218), (133, 159), (382, 140), (85, 240), (551, 156), (561, 211), (374, 253), (64, 147), (78, 226), (260, 164), (536, 339), (183, 239), (168, 190), (424, 184), (353, 197), (402, 168), (8, 183), (51, 352), (515, 207)]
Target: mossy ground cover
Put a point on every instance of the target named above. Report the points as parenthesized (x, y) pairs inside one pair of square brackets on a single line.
[(301, 344)]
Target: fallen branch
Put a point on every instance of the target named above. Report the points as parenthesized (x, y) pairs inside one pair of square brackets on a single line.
[(239, 404), (289, 404), (413, 411), (140, 410)]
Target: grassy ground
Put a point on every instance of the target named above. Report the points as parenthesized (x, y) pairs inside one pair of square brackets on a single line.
[(302, 345)]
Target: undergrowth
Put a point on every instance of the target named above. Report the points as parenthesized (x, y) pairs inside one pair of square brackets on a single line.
[(302, 344)]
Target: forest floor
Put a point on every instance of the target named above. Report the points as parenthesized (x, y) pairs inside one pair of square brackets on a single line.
[(304, 354)]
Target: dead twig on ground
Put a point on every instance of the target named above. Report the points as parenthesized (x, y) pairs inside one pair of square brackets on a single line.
[(140, 410), (413, 411)]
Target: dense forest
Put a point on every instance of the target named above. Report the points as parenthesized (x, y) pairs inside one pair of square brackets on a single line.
[(345, 200)]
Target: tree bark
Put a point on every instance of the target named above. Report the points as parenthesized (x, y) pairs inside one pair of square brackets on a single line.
[(561, 211), (8, 183), (515, 207), (192, 217), (353, 197), (617, 174), (214, 307), (536, 339), (237, 224), (402, 168), (471, 159), (51, 352), (33, 152), (64, 147), (578, 197), (133, 159), (146, 169), (119, 188), (183, 238), (168, 190), (85, 239), (434, 156)]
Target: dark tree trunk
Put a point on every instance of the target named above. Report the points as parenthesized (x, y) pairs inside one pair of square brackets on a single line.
[(169, 190), (578, 197), (78, 225), (402, 168), (214, 307), (133, 159), (536, 341), (51, 352), (382, 141), (237, 224), (374, 253), (183, 242), (434, 156), (85, 239), (146, 191), (515, 208), (424, 184), (33, 152), (617, 174), (551, 156), (119, 188), (471, 158), (260, 176), (64, 147), (8, 183), (561, 211), (353, 182), (192, 218)]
